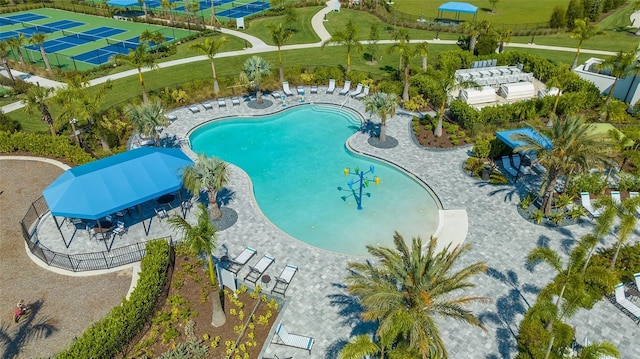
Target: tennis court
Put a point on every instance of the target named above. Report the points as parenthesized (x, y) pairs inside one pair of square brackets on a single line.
[(61, 43), (20, 18), (45, 28), (242, 10), (206, 4)]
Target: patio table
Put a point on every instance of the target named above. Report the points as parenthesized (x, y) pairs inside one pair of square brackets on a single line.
[(166, 199)]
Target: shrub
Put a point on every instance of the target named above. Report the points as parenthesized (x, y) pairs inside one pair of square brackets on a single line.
[(627, 263), (43, 145), (558, 18), (592, 183), (474, 165), (629, 183), (8, 124)]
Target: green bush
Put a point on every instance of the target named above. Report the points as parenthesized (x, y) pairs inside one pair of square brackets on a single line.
[(474, 165), (43, 145), (9, 125), (627, 263), (592, 183), (629, 183), (107, 337)]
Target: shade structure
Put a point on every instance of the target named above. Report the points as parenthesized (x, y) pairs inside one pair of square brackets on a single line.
[(509, 137), (462, 7), (123, 2), (115, 183)]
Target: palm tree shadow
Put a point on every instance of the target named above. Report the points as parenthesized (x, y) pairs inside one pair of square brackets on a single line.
[(370, 128), (14, 336), (225, 196)]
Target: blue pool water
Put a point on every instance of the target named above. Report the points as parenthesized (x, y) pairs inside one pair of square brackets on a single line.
[(296, 159)]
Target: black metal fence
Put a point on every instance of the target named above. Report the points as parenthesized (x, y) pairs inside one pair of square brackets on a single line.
[(75, 262)]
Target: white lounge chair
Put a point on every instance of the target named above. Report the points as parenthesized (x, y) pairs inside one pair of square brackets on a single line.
[(258, 269), (170, 118), (332, 86), (346, 88), (586, 203), (286, 90), (207, 105), (365, 92), (282, 282), (235, 101), (357, 91), (615, 197), (283, 337), (506, 163), (625, 303), (194, 109), (222, 103), (241, 259)]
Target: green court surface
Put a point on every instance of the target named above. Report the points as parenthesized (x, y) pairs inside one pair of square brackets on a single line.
[(62, 59)]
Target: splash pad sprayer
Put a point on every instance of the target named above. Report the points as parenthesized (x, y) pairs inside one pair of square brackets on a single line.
[(361, 182)]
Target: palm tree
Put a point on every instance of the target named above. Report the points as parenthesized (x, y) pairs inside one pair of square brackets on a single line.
[(38, 39), (210, 175), (146, 117), (504, 35), (625, 212), (201, 239), (280, 35), (169, 5), (138, 59), (16, 44), (573, 145), (620, 65), (423, 49), (582, 31), (364, 347), (444, 82), (143, 3), (401, 38), (383, 105), (615, 111), (598, 350), (348, 38), (561, 80), (407, 55), (211, 47), (405, 289), (253, 70), (4, 54), (214, 19), (148, 37), (474, 29), (35, 100)]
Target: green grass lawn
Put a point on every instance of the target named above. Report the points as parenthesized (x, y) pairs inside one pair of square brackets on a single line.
[(303, 32)]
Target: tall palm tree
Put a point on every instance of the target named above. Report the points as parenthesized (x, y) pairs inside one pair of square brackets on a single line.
[(16, 43), (573, 145), (211, 47), (598, 350), (625, 213), (401, 38), (423, 51), (138, 59), (214, 19), (35, 99), (4, 55), (38, 39), (561, 80), (152, 37), (280, 35), (208, 174), (474, 29), (143, 3), (348, 38), (383, 105), (504, 35), (407, 55), (168, 5), (582, 31), (405, 289), (201, 239), (254, 70), (620, 65), (146, 117), (364, 347)]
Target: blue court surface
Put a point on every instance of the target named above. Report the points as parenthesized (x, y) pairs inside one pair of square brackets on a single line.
[(206, 4), (244, 10), (101, 55), (20, 18), (59, 44)]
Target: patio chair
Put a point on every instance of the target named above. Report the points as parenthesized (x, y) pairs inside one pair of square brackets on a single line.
[(357, 91), (332, 86), (506, 163), (314, 89), (235, 101), (194, 109), (241, 259), (615, 197), (222, 103), (282, 337), (282, 282), (258, 269), (300, 90), (207, 105), (120, 229), (285, 89), (161, 213), (632, 309), (346, 88), (170, 118), (365, 92), (586, 203), (276, 95)]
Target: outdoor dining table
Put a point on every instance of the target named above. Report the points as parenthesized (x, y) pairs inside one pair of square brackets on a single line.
[(166, 199)]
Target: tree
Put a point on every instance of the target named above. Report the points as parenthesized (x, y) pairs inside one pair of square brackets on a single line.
[(201, 239), (558, 18), (575, 10), (143, 3), (146, 117), (423, 51), (401, 38), (572, 145), (474, 29), (35, 99), (348, 38), (138, 59), (615, 111), (582, 31), (561, 80), (254, 70), (620, 65), (152, 38), (383, 105), (598, 350), (280, 35), (208, 174), (503, 35), (405, 289), (168, 5), (4, 54), (374, 37), (211, 47), (625, 213), (16, 42), (38, 39), (493, 5)]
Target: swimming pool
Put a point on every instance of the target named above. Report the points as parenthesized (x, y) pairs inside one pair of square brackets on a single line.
[(296, 159)]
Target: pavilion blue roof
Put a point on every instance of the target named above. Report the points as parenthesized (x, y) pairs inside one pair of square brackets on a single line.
[(458, 7), (509, 137)]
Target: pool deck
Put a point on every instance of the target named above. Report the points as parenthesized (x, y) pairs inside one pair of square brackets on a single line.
[(317, 303)]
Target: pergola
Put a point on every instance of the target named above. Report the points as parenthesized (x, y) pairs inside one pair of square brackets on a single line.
[(107, 186), (510, 138), (458, 8)]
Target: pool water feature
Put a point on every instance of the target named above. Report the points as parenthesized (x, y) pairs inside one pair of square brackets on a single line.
[(296, 161)]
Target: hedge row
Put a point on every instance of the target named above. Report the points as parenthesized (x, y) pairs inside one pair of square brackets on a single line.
[(109, 336), (43, 145)]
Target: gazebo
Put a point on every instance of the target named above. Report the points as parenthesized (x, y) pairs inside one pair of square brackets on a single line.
[(458, 8), (510, 138), (117, 183)]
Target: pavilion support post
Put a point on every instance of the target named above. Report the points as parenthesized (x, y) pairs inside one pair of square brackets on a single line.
[(60, 230), (146, 230)]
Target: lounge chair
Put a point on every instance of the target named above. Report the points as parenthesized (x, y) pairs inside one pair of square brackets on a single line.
[(207, 105), (637, 278), (517, 164), (314, 89), (222, 103), (286, 90), (282, 337), (586, 203), (258, 269), (632, 309), (300, 90), (170, 118), (235, 101), (506, 163), (357, 91), (194, 109), (161, 213), (241, 259), (365, 92), (332, 86), (615, 197), (346, 88), (282, 282), (276, 95)]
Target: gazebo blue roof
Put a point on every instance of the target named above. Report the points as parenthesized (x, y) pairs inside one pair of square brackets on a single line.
[(459, 7), (123, 2), (509, 137), (115, 183)]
